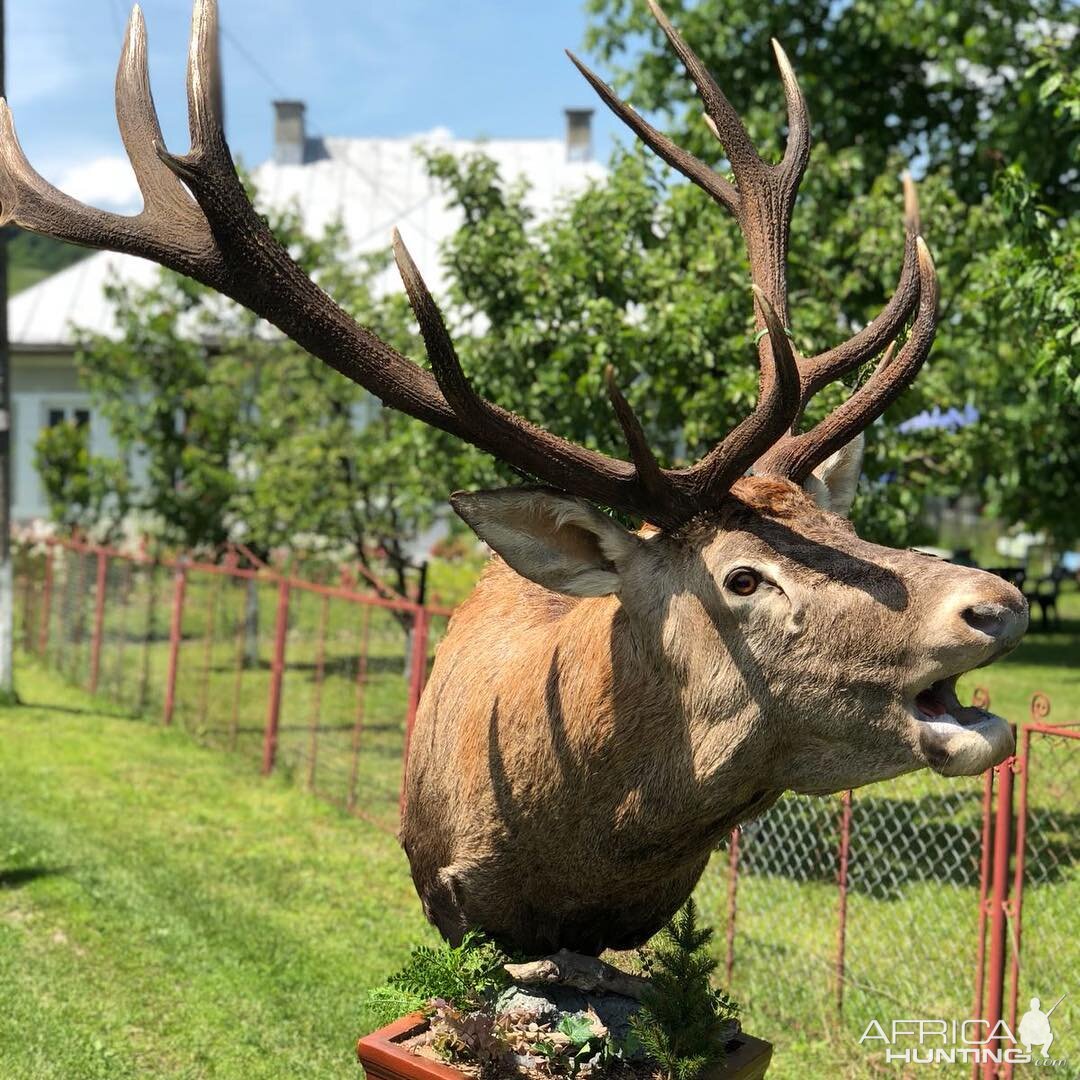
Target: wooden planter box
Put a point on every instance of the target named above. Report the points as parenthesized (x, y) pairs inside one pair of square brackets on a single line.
[(384, 1058)]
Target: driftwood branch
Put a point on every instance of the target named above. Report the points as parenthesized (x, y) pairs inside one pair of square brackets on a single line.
[(585, 973)]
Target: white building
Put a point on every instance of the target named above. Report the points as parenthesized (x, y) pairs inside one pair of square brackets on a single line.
[(372, 185)]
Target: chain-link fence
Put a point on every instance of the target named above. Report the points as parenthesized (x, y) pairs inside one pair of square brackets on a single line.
[(1043, 932), (884, 903), (839, 911), (316, 680)]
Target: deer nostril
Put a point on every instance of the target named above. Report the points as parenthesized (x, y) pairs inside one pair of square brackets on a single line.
[(990, 619)]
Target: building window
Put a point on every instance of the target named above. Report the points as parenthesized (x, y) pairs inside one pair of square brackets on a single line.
[(57, 414)]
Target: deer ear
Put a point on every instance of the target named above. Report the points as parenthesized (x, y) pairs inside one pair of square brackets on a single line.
[(832, 484), (558, 541)]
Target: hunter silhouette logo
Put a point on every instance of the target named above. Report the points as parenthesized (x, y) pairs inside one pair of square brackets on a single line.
[(1034, 1029), (975, 1041)]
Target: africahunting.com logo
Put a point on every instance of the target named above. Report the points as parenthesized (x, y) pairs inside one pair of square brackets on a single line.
[(952, 1042)]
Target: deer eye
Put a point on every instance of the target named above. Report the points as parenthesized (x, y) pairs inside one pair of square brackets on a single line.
[(743, 582)]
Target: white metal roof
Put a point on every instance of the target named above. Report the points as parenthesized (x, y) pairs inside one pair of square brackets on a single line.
[(373, 185)]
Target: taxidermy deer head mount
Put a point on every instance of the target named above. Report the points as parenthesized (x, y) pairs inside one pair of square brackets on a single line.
[(609, 703)]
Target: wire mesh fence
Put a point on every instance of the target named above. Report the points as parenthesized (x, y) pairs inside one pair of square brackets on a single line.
[(1043, 938), (315, 680), (857, 906), (885, 902)]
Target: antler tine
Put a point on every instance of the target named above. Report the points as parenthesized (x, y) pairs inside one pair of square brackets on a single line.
[(209, 155), (796, 456), (531, 449), (648, 469), (691, 167), (777, 407), (205, 108), (797, 152), (29, 200), (818, 371), (140, 130), (452, 380), (721, 117)]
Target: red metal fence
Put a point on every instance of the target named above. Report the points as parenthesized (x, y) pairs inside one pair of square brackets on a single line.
[(1039, 941), (900, 899), (317, 679)]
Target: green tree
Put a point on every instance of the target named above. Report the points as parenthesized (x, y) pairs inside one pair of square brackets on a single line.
[(84, 491), (684, 1022), (646, 273), (1027, 381), (958, 85), (170, 404), (236, 433)]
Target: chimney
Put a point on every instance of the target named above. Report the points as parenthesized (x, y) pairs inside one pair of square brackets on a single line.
[(290, 137), (579, 134)]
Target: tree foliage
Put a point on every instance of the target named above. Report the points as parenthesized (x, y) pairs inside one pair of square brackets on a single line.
[(84, 491), (232, 432)]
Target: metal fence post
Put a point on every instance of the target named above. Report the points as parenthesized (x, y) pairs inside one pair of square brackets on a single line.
[(986, 850), (99, 621), (148, 634), (417, 677), (317, 691), (277, 672), (238, 671), (999, 901), (176, 626), (358, 724), (732, 905), (208, 648), (1020, 857), (842, 897), (46, 603)]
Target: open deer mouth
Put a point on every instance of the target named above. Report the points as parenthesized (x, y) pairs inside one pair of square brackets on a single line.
[(955, 739), (939, 704)]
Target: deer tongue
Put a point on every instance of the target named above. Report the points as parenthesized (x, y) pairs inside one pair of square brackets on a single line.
[(930, 703), (939, 702)]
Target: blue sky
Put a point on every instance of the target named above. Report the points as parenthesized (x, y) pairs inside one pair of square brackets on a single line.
[(365, 67)]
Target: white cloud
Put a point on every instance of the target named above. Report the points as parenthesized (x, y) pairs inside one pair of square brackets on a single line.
[(105, 181)]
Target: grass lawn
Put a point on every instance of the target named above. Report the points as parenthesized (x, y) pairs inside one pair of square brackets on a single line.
[(164, 913), (344, 690)]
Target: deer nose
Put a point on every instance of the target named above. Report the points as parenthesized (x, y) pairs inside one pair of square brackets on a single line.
[(1004, 622)]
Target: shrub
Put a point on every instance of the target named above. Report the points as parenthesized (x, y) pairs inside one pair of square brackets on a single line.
[(684, 1021), (465, 976)]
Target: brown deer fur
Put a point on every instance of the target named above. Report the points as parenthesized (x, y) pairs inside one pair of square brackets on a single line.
[(576, 759)]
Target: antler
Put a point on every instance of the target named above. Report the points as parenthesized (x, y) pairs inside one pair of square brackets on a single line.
[(762, 200), (197, 219)]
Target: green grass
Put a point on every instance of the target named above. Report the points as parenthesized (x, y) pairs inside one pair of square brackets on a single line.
[(165, 913), (231, 924), (344, 692)]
